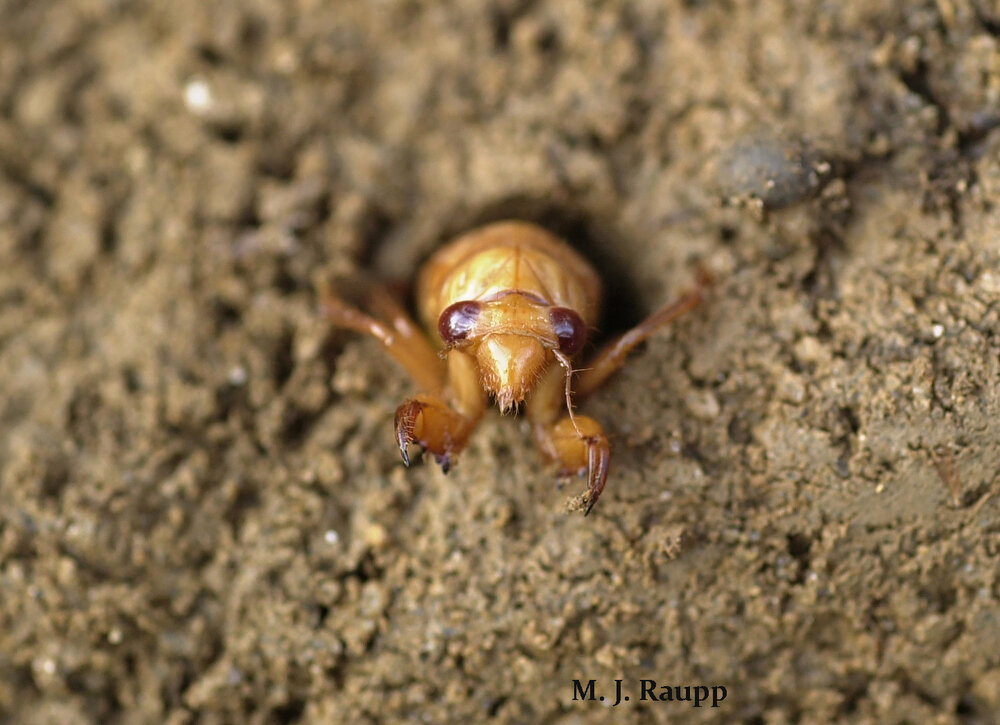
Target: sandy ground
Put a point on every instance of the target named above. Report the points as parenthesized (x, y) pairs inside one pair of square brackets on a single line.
[(203, 516)]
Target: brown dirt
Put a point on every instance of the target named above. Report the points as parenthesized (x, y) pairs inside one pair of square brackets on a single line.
[(203, 517)]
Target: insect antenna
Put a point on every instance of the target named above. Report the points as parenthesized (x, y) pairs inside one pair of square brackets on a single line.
[(568, 366)]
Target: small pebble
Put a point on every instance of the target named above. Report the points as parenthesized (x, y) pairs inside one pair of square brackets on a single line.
[(773, 170), (703, 404), (198, 96)]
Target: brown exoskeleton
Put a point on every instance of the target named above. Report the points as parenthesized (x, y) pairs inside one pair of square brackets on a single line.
[(509, 305)]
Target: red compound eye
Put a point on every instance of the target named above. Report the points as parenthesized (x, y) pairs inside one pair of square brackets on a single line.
[(570, 329), (457, 321)]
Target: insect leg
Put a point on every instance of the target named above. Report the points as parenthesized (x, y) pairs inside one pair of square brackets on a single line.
[(431, 423), (399, 335), (576, 443), (443, 426), (612, 357), (577, 446)]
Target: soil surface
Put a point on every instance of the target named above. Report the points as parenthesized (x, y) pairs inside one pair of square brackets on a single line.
[(203, 514)]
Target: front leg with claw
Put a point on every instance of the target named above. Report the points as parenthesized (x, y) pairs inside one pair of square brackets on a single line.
[(440, 420), (432, 424), (577, 445)]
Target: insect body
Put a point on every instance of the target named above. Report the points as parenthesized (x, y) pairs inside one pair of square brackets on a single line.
[(508, 306)]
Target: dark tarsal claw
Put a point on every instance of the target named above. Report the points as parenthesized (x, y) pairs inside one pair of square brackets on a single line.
[(445, 460), (598, 460), (406, 421)]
